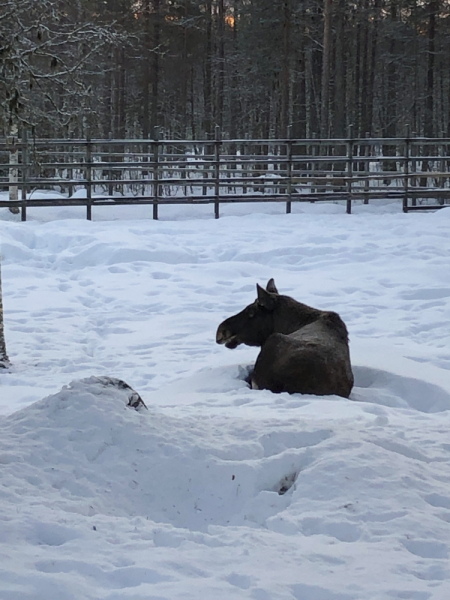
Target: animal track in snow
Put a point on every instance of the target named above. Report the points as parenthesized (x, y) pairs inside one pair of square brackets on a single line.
[(52, 534), (260, 594), (438, 500), (406, 451), (301, 591), (116, 269), (427, 294), (382, 517), (240, 581), (118, 578), (431, 573), (426, 549), (408, 595), (277, 441), (342, 531)]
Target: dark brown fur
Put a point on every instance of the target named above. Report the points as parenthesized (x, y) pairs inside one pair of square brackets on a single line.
[(303, 349)]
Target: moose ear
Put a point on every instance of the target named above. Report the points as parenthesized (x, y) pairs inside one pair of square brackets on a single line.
[(271, 287), (265, 298)]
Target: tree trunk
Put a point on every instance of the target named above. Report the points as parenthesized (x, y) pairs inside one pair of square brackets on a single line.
[(340, 126), (390, 129), (186, 70), (155, 66), (433, 7), (4, 360), (299, 112), (221, 57), (207, 72), (372, 68), (107, 120), (363, 89), (234, 87), (14, 168), (285, 73), (357, 81), (146, 72), (316, 73), (325, 99)]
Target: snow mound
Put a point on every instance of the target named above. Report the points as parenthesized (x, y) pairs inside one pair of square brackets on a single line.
[(348, 490), (389, 389), (213, 387), (87, 453)]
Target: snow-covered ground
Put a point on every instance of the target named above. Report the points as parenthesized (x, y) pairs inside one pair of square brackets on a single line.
[(219, 492)]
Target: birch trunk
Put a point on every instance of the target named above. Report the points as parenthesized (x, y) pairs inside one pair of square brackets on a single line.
[(14, 167), (4, 360)]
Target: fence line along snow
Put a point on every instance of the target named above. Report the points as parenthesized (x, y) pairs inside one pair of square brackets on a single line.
[(86, 172)]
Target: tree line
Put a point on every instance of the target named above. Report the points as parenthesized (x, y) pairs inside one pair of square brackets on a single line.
[(256, 68)]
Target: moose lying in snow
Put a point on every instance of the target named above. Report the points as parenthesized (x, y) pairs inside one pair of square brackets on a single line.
[(303, 350)]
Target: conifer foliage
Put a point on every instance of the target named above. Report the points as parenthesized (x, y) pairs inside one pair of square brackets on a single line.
[(256, 68)]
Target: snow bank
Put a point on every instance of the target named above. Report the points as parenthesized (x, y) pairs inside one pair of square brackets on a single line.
[(218, 491), (175, 504)]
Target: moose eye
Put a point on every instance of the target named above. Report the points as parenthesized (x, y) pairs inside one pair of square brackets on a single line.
[(251, 312)]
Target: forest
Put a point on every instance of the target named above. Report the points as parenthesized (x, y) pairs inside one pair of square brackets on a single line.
[(255, 68)]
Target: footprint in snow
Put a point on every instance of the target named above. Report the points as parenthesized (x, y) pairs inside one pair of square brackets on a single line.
[(426, 549), (302, 591)]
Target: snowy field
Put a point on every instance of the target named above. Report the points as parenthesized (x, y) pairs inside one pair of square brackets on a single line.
[(219, 492)]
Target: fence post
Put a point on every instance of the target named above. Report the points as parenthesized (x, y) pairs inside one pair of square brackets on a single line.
[(244, 164), (217, 171), (313, 167), (71, 158), (350, 155), (441, 169), (206, 165), (25, 159), (155, 172), (110, 159), (406, 169), (367, 171), (184, 170), (349, 168), (413, 169), (89, 178), (289, 171)]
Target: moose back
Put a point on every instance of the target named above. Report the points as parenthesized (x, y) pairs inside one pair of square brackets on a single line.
[(303, 350)]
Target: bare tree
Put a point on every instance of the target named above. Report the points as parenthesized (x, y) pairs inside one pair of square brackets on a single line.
[(47, 59)]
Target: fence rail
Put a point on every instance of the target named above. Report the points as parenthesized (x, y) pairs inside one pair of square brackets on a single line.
[(96, 172)]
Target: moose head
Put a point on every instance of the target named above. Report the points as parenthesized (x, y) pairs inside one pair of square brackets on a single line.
[(253, 325)]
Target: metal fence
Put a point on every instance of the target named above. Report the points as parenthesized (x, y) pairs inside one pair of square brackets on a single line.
[(96, 172)]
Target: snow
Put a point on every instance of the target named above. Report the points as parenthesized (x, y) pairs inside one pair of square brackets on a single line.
[(218, 491)]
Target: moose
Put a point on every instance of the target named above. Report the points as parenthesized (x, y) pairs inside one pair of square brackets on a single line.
[(303, 350)]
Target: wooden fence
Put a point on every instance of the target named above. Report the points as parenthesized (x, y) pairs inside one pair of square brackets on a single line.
[(96, 172)]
